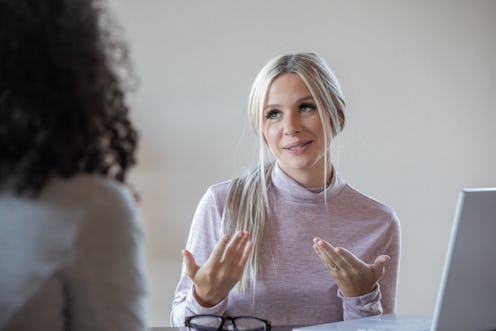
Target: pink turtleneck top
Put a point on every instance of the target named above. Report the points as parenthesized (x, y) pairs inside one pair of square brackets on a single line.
[(293, 286)]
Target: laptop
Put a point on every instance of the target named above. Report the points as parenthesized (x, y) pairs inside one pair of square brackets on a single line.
[(467, 296)]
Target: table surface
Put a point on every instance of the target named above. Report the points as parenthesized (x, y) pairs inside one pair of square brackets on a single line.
[(273, 328)]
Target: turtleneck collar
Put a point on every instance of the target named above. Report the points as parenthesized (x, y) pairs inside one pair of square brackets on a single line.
[(289, 189)]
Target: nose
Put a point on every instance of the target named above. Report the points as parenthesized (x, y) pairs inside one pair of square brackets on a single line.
[(291, 125)]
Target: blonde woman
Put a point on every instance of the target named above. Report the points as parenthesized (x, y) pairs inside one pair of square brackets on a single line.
[(292, 242)]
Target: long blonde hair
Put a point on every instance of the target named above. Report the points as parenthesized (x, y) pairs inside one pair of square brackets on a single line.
[(247, 204)]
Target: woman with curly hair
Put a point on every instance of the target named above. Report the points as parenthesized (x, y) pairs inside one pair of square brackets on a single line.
[(71, 246)]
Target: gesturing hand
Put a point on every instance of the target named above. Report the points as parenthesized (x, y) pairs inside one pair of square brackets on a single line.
[(353, 276), (223, 269)]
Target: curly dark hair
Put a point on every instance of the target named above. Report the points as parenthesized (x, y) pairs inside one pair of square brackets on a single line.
[(62, 103)]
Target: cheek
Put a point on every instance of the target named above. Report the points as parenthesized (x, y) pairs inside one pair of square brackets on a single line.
[(269, 136)]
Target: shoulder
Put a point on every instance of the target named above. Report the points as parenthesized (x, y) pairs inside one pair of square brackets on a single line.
[(90, 191), (68, 200), (207, 221), (211, 206), (216, 194), (101, 203), (219, 189), (366, 205), (84, 187)]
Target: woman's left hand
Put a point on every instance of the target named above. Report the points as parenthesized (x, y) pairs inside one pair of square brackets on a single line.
[(353, 276)]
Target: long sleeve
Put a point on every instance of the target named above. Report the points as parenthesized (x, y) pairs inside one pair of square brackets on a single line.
[(383, 298), (104, 280), (203, 235), (389, 282), (77, 258)]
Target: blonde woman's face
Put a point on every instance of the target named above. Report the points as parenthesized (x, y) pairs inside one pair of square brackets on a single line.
[(293, 130)]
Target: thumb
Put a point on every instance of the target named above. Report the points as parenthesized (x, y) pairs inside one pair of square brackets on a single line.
[(379, 265), (190, 263)]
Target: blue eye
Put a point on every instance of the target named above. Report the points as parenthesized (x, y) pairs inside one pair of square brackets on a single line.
[(272, 114), (307, 107)]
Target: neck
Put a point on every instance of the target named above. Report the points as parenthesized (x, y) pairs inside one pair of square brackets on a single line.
[(310, 179)]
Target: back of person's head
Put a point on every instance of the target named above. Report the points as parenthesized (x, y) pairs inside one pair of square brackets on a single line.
[(317, 76), (62, 105)]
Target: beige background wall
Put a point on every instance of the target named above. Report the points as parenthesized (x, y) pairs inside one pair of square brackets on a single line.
[(420, 81)]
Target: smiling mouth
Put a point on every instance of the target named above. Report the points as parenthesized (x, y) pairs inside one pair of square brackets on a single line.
[(297, 147)]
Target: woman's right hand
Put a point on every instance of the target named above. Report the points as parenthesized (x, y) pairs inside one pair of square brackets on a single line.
[(223, 269)]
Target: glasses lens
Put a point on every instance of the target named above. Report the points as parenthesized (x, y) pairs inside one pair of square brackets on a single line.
[(249, 324), (205, 323)]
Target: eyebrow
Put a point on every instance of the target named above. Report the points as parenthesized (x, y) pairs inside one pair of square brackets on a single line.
[(305, 98)]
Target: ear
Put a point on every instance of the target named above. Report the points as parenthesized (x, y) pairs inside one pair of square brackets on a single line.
[(341, 119)]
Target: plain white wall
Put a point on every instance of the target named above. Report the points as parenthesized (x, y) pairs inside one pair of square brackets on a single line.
[(420, 81)]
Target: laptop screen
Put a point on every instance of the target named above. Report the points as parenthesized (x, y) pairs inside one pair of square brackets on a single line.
[(467, 297)]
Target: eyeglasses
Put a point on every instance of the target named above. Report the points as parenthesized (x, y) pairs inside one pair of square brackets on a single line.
[(221, 323)]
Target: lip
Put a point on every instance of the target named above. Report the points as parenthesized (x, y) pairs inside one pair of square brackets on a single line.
[(297, 147)]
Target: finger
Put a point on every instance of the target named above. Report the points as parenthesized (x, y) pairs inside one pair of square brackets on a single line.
[(246, 254), (350, 258), (190, 263), (379, 265), (244, 239), (320, 254), (233, 245), (329, 250), (323, 244), (324, 257), (219, 248)]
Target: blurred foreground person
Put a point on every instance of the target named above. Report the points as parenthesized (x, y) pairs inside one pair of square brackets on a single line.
[(71, 245)]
